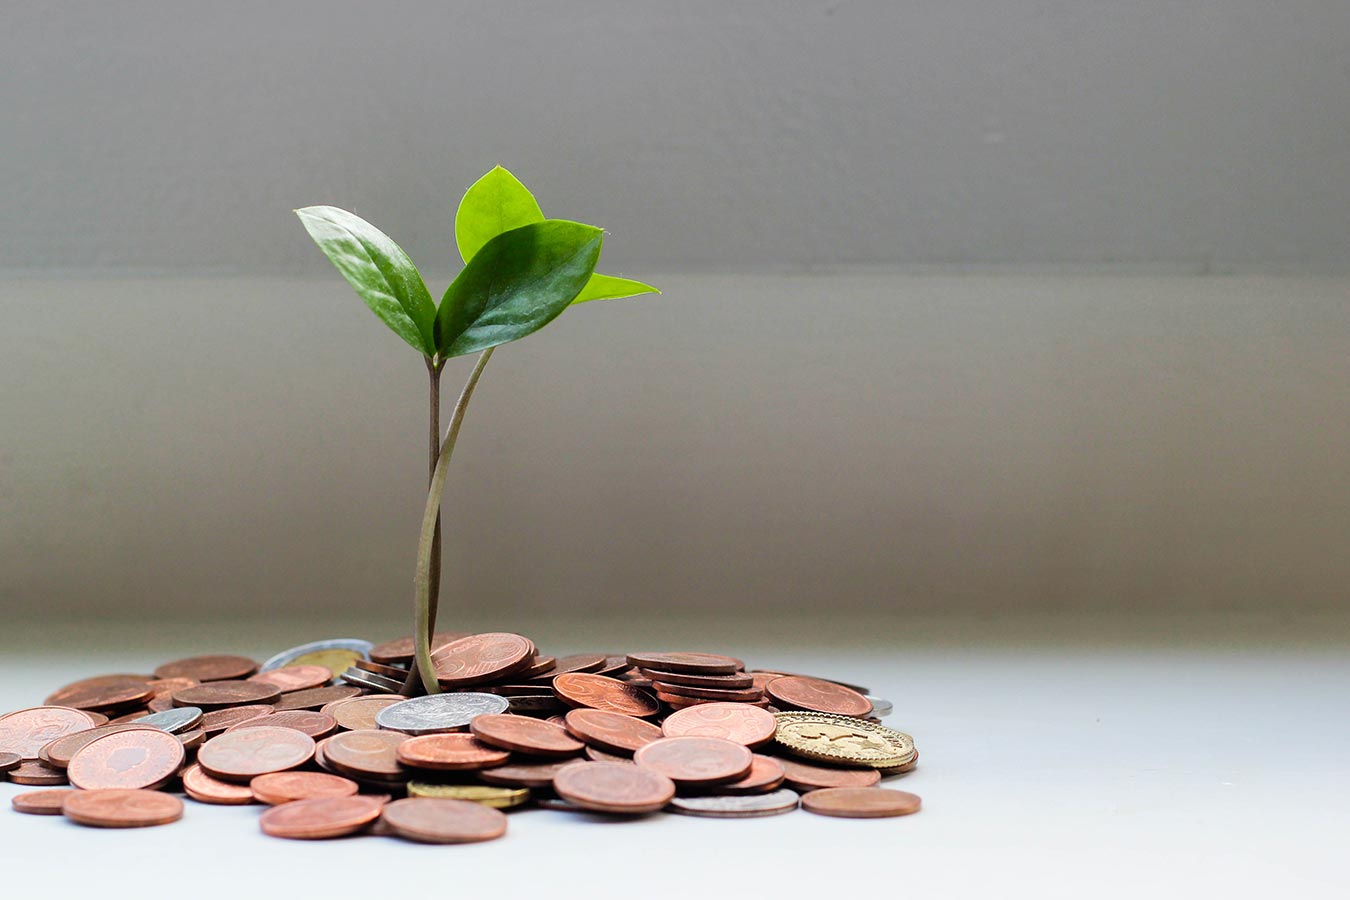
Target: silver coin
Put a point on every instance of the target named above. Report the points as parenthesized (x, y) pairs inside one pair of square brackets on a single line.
[(378, 683), (174, 721), (740, 806), (881, 708), (439, 712), (286, 657)]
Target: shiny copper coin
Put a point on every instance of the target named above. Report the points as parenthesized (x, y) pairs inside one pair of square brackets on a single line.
[(696, 761), (579, 662), (375, 668), (40, 803), (800, 692), (220, 719), (324, 817), (449, 752), (244, 754), (191, 740), (25, 732), (693, 663), (748, 725), (36, 773), (315, 698), (366, 754), (615, 664), (164, 687), (102, 694), (600, 692), (480, 658), (401, 650), (772, 674), (738, 681), (222, 694), (295, 678), (160, 703), (861, 803), (205, 789), (98, 717), (599, 755), (614, 732), (139, 758), (747, 695), (807, 777), (437, 821), (610, 787), (524, 775), (765, 775), (676, 701), (122, 808), (525, 735), (314, 724), (209, 668), (538, 666), (287, 787), (59, 752), (10, 760), (358, 713)]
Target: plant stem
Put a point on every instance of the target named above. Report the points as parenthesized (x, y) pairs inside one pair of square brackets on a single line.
[(424, 610), (434, 367)]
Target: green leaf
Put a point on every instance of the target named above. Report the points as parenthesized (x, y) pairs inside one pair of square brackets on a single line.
[(608, 287), (378, 269), (516, 284), (493, 204)]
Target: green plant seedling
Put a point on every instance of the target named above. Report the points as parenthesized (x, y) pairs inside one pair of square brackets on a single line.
[(521, 271)]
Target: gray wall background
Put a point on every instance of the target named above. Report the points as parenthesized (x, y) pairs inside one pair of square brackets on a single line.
[(827, 409)]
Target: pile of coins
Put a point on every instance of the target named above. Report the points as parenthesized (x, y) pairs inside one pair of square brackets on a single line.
[(321, 736)]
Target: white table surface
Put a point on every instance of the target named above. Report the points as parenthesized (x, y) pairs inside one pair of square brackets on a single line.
[(1110, 759)]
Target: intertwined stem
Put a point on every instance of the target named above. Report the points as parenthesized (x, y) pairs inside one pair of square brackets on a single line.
[(429, 545)]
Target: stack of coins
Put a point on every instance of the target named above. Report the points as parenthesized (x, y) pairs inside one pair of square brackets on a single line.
[(321, 737)]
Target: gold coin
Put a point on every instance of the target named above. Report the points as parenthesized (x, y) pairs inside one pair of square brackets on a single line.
[(843, 740), (336, 660), (488, 795)]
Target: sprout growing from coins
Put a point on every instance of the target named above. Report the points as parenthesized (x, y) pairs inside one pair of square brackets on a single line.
[(521, 272)]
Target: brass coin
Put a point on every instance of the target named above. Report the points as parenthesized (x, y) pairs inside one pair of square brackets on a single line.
[(696, 761), (487, 795), (814, 694), (205, 789), (861, 803), (619, 788), (611, 731), (441, 821), (324, 817), (358, 713), (140, 758), (209, 668), (449, 752), (26, 732), (295, 677), (122, 808), (244, 754), (748, 725), (221, 694), (579, 689), (287, 787), (336, 659), (524, 735), (40, 803), (842, 740)]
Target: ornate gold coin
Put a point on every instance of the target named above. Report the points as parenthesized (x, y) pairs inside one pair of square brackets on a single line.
[(488, 795), (336, 660), (843, 740)]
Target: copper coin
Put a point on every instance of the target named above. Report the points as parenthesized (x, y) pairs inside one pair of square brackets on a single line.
[(806, 777), (314, 724), (191, 740), (765, 775), (615, 664), (599, 755), (861, 803), (696, 761), (323, 817), (746, 695), (525, 735), (161, 703), (25, 732), (10, 760), (800, 692), (738, 681), (450, 752), (602, 692), (295, 678), (221, 719), (358, 713), (439, 821), (693, 663), (132, 716), (771, 674), (242, 755), (524, 775), (675, 701), (40, 803), (579, 662), (208, 668), (375, 668), (59, 752), (140, 758), (613, 787), (205, 789), (102, 693), (401, 650), (538, 666), (366, 754), (611, 731), (480, 658), (315, 698), (748, 725), (287, 787), (122, 808), (164, 687), (222, 694), (36, 773)]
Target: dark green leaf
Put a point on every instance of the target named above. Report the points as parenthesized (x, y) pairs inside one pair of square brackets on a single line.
[(378, 269), (517, 283), (493, 204), (608, 287)]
